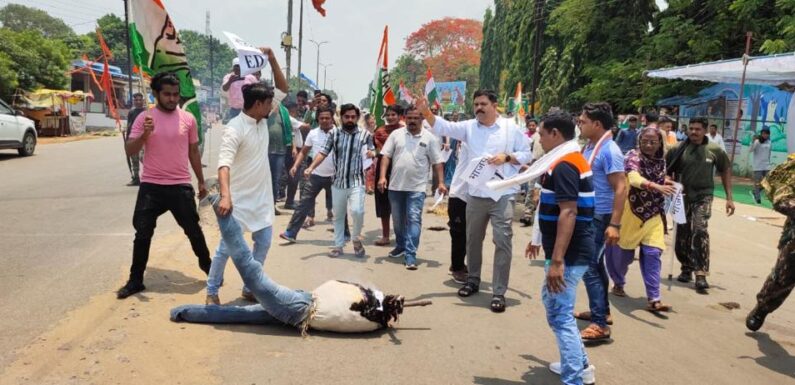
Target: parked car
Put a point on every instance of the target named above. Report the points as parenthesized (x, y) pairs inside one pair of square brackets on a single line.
[(16, 131)]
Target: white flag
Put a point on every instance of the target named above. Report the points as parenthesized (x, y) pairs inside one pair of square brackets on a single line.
[(251, 58), (677, 206)]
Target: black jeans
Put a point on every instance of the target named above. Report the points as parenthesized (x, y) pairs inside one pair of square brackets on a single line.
[(306, 207), (153, 201), (457, 216), (292, 182)]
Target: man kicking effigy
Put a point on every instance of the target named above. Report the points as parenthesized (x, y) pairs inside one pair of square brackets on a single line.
[(334, 306)]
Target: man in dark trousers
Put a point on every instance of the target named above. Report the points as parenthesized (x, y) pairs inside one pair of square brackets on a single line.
[(135, 159), (170, 137)]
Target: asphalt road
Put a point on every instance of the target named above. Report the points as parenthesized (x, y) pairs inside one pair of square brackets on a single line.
[(65, 233), (66, 239)]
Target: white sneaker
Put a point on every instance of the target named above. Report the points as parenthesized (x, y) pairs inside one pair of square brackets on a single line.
[(588, 375)]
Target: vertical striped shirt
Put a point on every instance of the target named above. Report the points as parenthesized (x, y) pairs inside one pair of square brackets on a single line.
[(569, 179), (349, 149)]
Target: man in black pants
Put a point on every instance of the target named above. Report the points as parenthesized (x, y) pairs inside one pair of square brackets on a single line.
[(169, 135)]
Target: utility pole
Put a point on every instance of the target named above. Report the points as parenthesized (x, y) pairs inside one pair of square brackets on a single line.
[(209, 34), (317, 74), (287, 39), (538, 15), (129, 55), (300, 35)]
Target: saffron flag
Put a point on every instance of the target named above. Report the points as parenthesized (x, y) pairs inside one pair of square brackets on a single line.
[(380, 92), (430, 90), (318, 4), (156, 48), (405, 95)]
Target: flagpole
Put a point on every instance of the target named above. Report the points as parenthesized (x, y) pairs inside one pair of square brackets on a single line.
[(129, 54)]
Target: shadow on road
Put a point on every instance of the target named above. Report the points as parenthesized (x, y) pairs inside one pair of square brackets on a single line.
[(538, 374), (775, 358), (171, 281), (9, 155)]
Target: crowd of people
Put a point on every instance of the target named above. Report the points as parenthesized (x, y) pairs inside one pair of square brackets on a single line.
[(594, 196)]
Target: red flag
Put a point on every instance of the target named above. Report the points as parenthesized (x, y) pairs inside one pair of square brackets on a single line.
[(318, 4)]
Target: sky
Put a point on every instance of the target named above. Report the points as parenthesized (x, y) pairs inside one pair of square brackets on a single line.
[(353, 28)]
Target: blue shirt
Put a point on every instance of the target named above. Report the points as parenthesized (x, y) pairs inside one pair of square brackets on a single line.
[(627, 140), (608, 161)]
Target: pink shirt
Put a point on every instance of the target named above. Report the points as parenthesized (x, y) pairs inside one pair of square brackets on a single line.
[(166, 150), (236, 90)]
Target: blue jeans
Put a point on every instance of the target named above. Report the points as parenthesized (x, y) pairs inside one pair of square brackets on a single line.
[(596, 279), (407, 220), (560, 317), (262, 243), (276, 303), (343, 198), (277, 168)]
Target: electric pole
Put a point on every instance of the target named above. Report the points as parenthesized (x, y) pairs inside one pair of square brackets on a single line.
[(209, 34), (287, 39), (300, 35), (129, 55)]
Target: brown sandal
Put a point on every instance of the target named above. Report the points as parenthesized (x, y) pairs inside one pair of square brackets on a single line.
[(586, 316), (618, 291), (595, 333), (382, 242), (657, 306)]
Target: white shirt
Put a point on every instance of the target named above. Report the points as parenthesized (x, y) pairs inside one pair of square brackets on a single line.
[(411, 156), (316, 139), (717, 139), (761, 151), (298, 139), (502, 137)]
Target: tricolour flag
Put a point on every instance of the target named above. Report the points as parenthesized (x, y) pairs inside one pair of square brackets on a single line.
[(380, 91), (519, 111), (405, 95), (156, 48), (430, 90)]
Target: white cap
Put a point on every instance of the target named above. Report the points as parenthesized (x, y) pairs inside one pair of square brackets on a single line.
[(235, 61)]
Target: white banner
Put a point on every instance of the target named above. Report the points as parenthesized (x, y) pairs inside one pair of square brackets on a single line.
[(251, 58), (677, 206)]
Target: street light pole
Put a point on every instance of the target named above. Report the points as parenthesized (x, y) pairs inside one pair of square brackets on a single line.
[(325, 73), (317, 73)]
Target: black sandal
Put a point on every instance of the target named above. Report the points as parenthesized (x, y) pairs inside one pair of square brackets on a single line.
[(468, 289), (498, 304)]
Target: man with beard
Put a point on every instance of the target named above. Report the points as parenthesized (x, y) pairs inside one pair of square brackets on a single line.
[(392, 116), (135, 159), (170, 137), (692, 164), (348, 146), (502, 145), (409, 152)]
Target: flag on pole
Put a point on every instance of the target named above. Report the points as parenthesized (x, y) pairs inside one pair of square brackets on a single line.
[(519, 111), (405, 95), (106, 79), (156, 48), (318, 4), (430, 90), (380, 91)]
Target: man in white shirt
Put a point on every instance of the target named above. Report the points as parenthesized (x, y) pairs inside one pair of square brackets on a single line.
[(715, 137), (503, 144), (321, 178), (244, 148), (760, 149), (411, 151)]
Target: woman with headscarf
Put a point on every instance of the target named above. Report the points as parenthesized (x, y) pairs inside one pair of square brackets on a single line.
[(642, 226)]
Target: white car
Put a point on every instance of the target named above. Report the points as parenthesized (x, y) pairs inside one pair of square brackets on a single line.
[(16, 131)]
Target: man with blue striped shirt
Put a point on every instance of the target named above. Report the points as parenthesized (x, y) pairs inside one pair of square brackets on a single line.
[(349, 144)]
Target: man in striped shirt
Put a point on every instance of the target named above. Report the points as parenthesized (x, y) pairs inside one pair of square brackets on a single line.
[(349, 144), (565, 218)]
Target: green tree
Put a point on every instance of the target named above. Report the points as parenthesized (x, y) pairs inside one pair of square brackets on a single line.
[(30, 61), (197, 49), (19, 18), (114, 31)]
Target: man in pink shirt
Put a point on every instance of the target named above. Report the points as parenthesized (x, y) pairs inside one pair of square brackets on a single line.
[(233, 84), (171, 140)]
